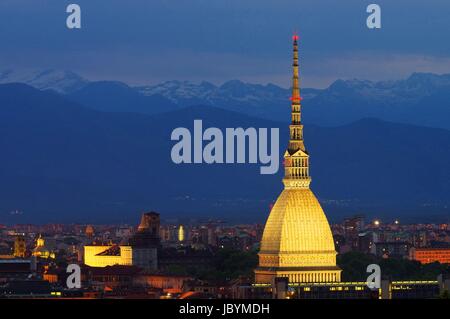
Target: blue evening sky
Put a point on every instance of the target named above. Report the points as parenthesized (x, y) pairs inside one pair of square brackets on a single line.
[(149, 41)]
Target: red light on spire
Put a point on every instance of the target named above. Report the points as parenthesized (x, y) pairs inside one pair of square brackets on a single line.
[(295, 37)]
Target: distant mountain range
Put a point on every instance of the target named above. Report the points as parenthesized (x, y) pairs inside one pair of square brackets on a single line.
[(118, 97), (63, 161), (56, 80), (421, 99)]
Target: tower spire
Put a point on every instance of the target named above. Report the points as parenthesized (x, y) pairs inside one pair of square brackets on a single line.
[(295, 84), (296, 159)]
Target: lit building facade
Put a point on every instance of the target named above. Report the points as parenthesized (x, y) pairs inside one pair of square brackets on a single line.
[(103, 256), (297, 242), (430, 255), (346, 290), (20, 247), (142, 250)]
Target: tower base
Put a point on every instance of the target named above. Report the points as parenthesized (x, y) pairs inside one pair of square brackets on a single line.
[(265, 275)]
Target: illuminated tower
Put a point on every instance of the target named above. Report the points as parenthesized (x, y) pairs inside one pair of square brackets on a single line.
[(181, 233), (297, 241), (20, 246), (150, 223), (89, 231)]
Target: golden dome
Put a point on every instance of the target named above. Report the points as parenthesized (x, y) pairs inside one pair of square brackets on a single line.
[(41, 250), (297, 233), (40, 242)]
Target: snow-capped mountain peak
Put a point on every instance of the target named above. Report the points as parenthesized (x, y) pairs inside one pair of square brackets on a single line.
[(61, 81)]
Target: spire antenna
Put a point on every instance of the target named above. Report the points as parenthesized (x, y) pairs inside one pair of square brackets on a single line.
[(296, 158)]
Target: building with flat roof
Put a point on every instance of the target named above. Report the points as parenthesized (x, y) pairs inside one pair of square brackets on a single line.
[(344, 290), (142, 250), (430, 255)]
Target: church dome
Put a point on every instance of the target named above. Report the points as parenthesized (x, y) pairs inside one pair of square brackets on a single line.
[(41, 250), (297, 232)]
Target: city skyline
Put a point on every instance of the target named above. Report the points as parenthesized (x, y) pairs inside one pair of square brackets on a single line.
[(113, 259)]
